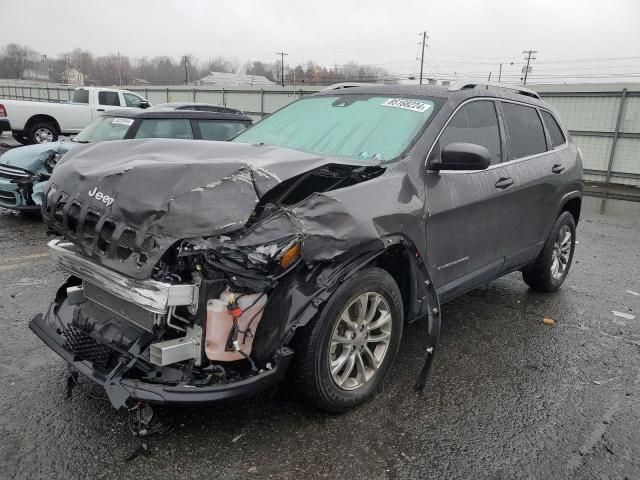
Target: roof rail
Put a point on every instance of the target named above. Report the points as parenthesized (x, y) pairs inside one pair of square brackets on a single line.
[(466, 84), (343, 85)]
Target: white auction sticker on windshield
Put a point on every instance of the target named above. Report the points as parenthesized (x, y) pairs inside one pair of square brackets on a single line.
[(122, 121), (405, 104)]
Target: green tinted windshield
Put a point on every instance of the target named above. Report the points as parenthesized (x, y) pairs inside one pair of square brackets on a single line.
[(104, 128), (354, 126)]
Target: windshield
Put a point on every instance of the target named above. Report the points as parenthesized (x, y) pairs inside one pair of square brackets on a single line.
[(104, 128), (362, 127)]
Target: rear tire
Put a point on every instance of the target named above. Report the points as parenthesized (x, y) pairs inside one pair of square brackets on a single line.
[(551, 267), (42, 132), (344, 353)]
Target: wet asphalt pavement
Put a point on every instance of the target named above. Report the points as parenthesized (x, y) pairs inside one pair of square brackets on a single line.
[(508, 397)]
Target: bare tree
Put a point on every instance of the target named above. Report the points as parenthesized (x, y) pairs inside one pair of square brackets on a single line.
[(18, 58), (222, 64), (263, 69)]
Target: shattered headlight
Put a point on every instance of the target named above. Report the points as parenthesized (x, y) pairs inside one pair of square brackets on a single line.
[(272, 258), (275, 253)]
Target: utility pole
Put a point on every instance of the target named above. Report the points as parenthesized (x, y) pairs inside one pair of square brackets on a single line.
[(424, 43), (282, 54), (185, 60), (119, 69), (500, 71), (529, 56)]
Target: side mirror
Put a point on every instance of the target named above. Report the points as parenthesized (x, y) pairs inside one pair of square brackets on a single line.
[(463, 156), (144, 104)]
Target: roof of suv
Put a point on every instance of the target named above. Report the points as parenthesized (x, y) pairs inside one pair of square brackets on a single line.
[(172, 113), (203, 107), (466, 90)]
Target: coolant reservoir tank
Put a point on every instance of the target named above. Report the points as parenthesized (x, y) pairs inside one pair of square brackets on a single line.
[(220, 322)]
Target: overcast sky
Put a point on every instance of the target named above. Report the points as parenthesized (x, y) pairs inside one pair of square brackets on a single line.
[(464, 36)]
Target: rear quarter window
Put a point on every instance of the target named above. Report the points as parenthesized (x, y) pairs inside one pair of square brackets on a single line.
[(555, 132), (524, 131), (80, 96)]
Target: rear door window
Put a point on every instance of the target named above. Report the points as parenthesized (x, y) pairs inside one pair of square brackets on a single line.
[(165, 128), (109, 98), (524, 130), (476, 122), (555, 132), (220, 130)]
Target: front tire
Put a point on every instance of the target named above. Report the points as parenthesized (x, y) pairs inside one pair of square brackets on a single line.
[(42, 132), (551, 267), (344, 353)]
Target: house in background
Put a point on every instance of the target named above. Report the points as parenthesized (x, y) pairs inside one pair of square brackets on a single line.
[(40, 73), (72, 76)]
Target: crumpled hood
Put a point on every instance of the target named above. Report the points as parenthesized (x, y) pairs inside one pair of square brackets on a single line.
[(32, 157), (178, 188)]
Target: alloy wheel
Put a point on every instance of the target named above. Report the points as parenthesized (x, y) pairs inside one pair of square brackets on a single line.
[(561, 252), (360, 341)]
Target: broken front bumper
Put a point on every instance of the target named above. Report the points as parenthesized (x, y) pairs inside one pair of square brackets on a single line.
[(107, 334), (150, 295), (11, 195), (122, 391)]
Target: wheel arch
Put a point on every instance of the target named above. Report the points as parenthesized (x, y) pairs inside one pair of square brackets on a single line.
[(301, 295), (41, 117), (573, 205)]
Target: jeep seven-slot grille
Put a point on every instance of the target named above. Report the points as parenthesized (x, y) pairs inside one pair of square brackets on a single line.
[(95, 230)]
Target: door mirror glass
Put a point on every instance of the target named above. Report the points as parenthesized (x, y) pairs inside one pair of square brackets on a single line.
[(144, 104), (463, 156)]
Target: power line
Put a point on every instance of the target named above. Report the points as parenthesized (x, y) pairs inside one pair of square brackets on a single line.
[(380, 39)]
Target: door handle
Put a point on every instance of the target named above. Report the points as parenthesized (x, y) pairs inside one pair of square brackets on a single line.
[(99, 109), (557, 168), (504, 182)]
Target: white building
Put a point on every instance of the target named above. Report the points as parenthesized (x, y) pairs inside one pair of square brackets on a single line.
[(224, 79)]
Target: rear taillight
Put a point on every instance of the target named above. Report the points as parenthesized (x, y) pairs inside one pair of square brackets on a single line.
[(3, 112)]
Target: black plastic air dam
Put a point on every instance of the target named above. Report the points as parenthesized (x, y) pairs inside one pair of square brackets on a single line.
[(162, 394)]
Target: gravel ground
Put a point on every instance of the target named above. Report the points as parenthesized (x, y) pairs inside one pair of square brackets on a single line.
[(508, 397)]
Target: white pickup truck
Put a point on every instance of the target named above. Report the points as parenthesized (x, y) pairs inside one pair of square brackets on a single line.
[(42, 122)]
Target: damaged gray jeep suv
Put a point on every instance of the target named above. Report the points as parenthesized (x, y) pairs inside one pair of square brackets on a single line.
[(202, 271)]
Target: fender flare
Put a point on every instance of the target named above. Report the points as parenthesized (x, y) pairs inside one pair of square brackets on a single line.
[(566, 197)]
